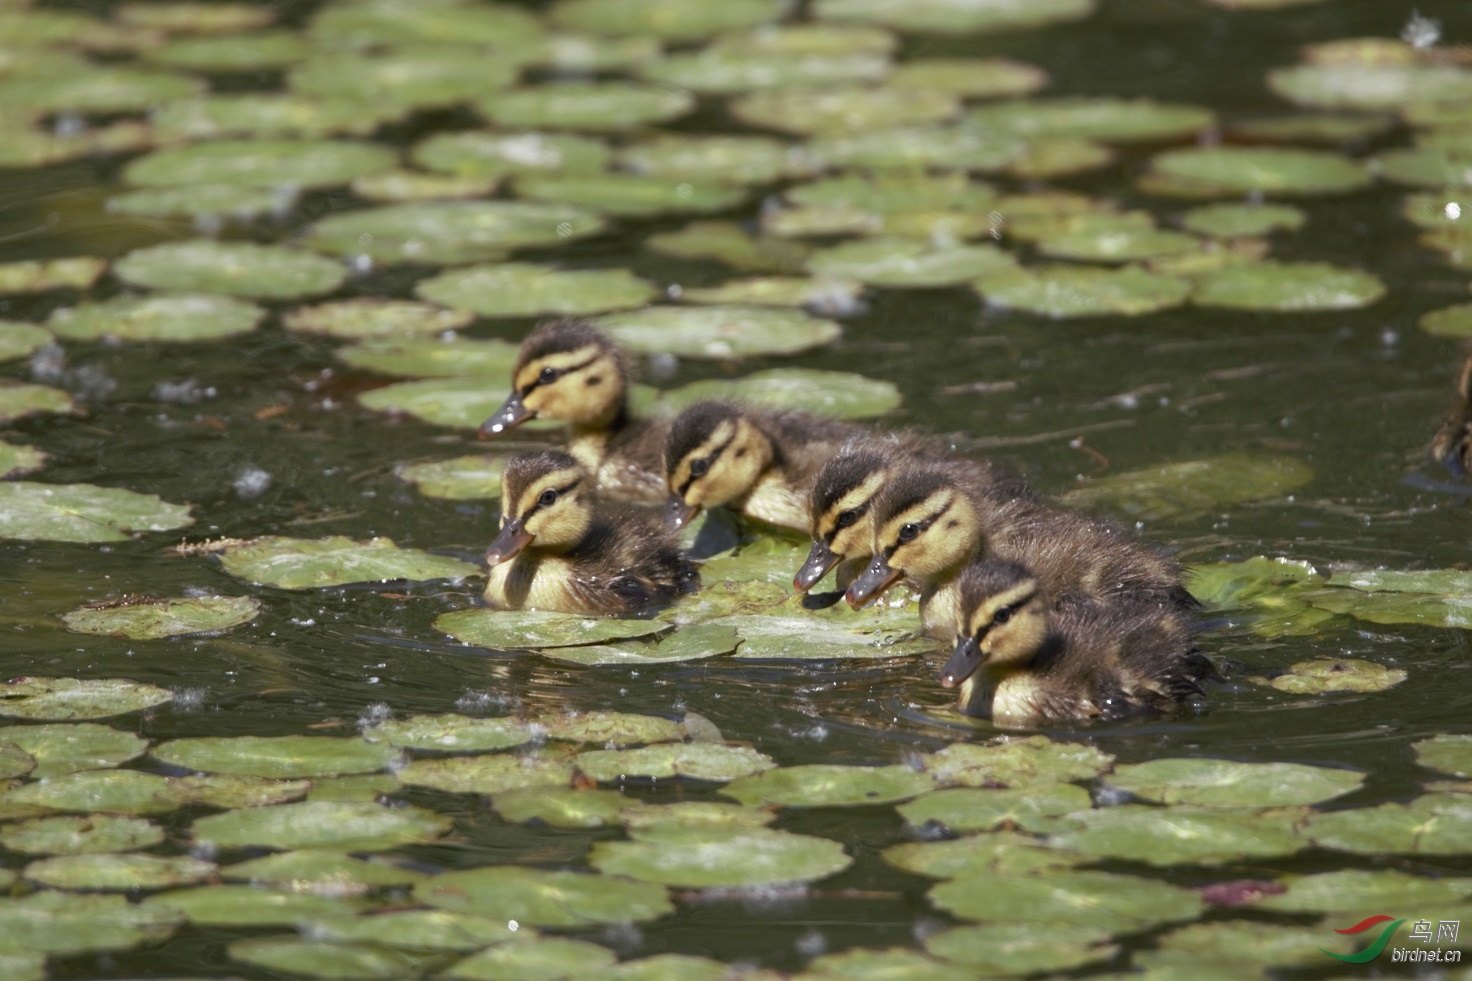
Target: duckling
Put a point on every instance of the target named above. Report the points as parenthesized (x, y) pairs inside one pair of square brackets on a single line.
[(928, 525), (569, 370), (1452, 444), (1024, 662), (559, 551)]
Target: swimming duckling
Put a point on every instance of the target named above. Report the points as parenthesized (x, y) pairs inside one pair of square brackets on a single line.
[(568, 370), (1452, 444), (558, 551), (1024, 662), (929, 524)]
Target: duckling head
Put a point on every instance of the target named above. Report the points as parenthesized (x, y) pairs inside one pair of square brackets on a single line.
[(841, 502), (924, 527), (545, 497), (567, 370), (715, 455), (1001, 620)]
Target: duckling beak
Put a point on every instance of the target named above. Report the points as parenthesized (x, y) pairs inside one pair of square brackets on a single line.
[(513, 538), (678, 512), (873, 581), (963, 663), (512, 413), (820, 560)]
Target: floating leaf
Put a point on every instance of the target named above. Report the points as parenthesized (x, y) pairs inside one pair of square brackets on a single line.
[(319, 871), (687, 644), (488, 774), (35, 276), (717, 857), (57, 699), (1452, 321), (534, 957), (837, 110), (690, 814), (185, 317), (153, 619), (906, 263), (72, 835), (970, 78), (246, 906), (463, 403), (57, 923), (956, 16), (1021, 948), (99, 90), (1358, 890), (864, 964), (417, 929), (207, 204), (1097, 900), (262, 51), (315, 958), (1110, 120), (970, 809), (1240, 220), (829, 785), (717, 333), (105, 791), (231, 268), (723, 71), (832, 394), (1035, 760), (1328, 128), (730, 244), (1287, 286), (1172, 489), (1003, 853), (338, 825), (520, 629), (412, 185), (524, 289), (631, 195), (670, 967), (464, 478), (1323, 675), (449, 232), (1447, 752), (696, 761), (1227, 783), (908, 148), (497, 154), (403, 78), (452, 356), (826, 296), (14, 761), (1075, 291), (1180, 834), (18, 400), (586, 106), (60, 749), (672, 20), (375, 318), (276, 756), (560, 807), (17, 460), (1435, 824), (545, 899), (282, 116), (1357, 85), (608, 728), (1240, 948), (118, 872), (450, 733), (299, 563), (793, 637), (387, 23), (1230, 170), (196, 18), (20, 340), (228, 791), (260, 163), (1124, 245)]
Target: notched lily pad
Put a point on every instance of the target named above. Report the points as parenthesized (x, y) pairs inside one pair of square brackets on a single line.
[(1360, 85), (462, 403), (824, 785), (522, 629), (260, 163), (1287, 287), (316, 958), (1075, 291), (320, 871), (150, 619), (60, 699), (17, 460), (157, 317), (1021, 948), (208, 204), (716, 857), (1227, 783), (1193, 487), (865, 964), (955, 16), (300, 563), (99, 791), (1358, 890), (451, 733), (58, 923), (697, 761), (545, 899), (608, 728), (60, 749), (21, 340), (525, 289), (464, 478), (837, 110), (1110, 120), (718, 333), (535, 957), (232, 268), (403, 78), (487, 155), (277, 756), (339, 825), (732, 245), (283, 117), (764, 636), (631, 195), (970, 78), (376, 318), (1328, 674), (449, 232), (247, 906), (392, 186), (1123, 245), (417, 929)]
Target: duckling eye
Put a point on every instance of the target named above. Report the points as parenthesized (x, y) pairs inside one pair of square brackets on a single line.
[(699, 467), (548, 376), (1002, 615), (547, 498), (847, 518), (908, 533)]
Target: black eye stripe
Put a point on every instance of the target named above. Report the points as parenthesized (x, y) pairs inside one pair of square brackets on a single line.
[(537, 382), (922, 525), (710, 457), (537, 505)]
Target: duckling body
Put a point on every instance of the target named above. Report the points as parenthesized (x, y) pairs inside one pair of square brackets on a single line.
[(560, 551), (568, 370), (1452, 444), (1023, 659)]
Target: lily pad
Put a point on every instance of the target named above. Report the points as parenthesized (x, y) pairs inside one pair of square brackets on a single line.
[(299, 563), (1180, 834), (282, 116), (101, 89), (970, 78), (1110, 120), (462, 403), (836, 110), (823, 296), (608, 728), (491, 774), (1021, 948), (714, 857), (696, 761), (485, 155), (672, 20), (1033, 761), (1230, 170), (899, 964), (61, 699), (464, 478), (723, 71), (1059, 156), (1173, 489), (1287, 286), (21, 340), (59, 923), (1359, 85), (1097, 900), (246, 906), (319, 959), (793, 637), (1434, 824), (718, 333), (118, 872), (828, 785), (1324, 674), (543, 898), (82, 512), (412, 185), (956, 16), (451, 733), (1447, 752), (1227, 783), (14, 761), (100, 791), (1240, 220), (560, 807), (1074, 291), (319, 871), (907, 263), (730, 244), (1237, 948), (832, 394), (338, 825), (158, 317), (974, 809), (260, 51), (417, 929), (587, 106), (439, 357), (909, 148), (521, 629), (17, 460), (1130, 245), (535, 959), (38, 275), (228, 791), (207, 204), (276, 756), (73, 835), (631, 195), (375, 318), (152, 619), (640, 815), (18, 400), (387, 23), (1358, 890), (60, 749), (231, 268), (260, 163), (686, 644), (524, 289), (195, 18), (403, 78), (449, 232)]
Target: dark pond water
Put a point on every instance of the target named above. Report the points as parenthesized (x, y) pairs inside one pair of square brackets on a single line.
[(1353, 394)]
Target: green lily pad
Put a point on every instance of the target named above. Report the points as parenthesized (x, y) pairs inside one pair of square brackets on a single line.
[(392, 186), (825, 785), (955, 16), (1237, 584), (435, 77), (260, 163), (696, 761), (14, 761), (17, 460), (686, 644), (386, 23), (1076, 291), (741, 160), (228, 791), (525, 289), (1059, 156), (451, 733), (521, 629), (462, 403), (375, 318), (1021, 948), (321, 872), (1453, 321), (340, 825), (318, 959), (276, 756), (152, 619), (1287, 286), (535, 959), (1227, 783), (74, 835), (896, 963), (608, 728), (640, 815), (631, 195), (718, 333), (185, 317), (716, 857), (496, 154), (1435, 824), (488, 774), (909, 148), (38, 275), (20, 965), (60, 749), (281, 116), (299, 563), (597, 107), (58, 923), (542, 898), (437, 357), (247, 906), (832, 394), (18, 400), (1129, 245), (560, 807), (1230, 170), (1356, 890), (262, 51), (672, 20), (20, 340), (1447, 752), (60, 699), (836, 110), (764, 636), (1323, 675), (196, 18), (1240, 220), (1357, 85), (118, 872), (101, 89), (1426, 166), (825, 296), (1033, 761), (724, 71), (82, 512), (418, 929), (970, 78), (1110, 120), (1173, 489), (449, 232), (1097, 900), (1325, 128), (1002, 853), (464, 478), (206, 203), (1239, 948), (974, 809), (730, 244), (100, 791), (362, 787), (234, 269), (907, 263), (673, 967), (1180, 834)]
